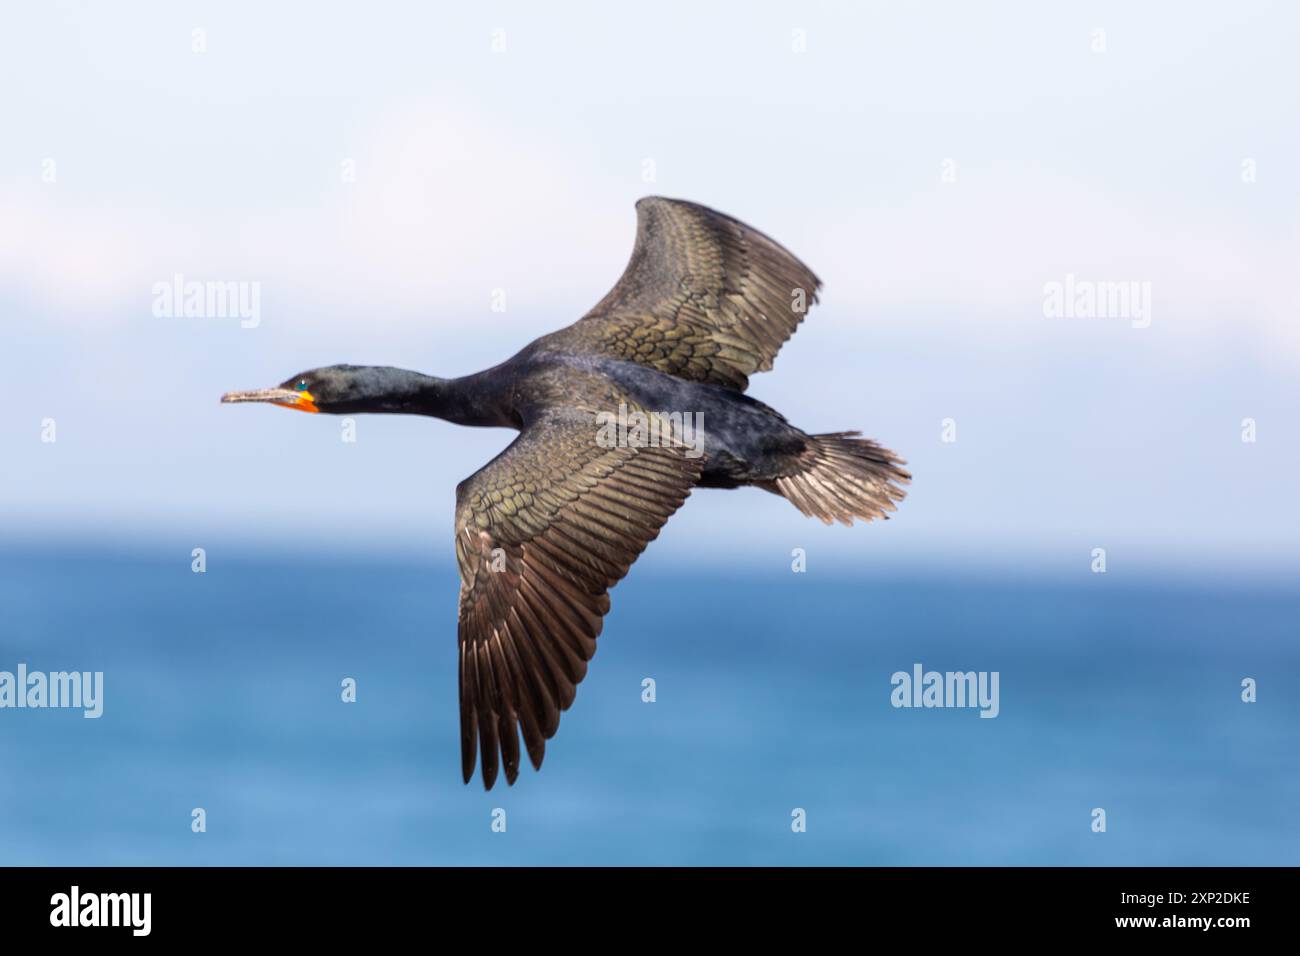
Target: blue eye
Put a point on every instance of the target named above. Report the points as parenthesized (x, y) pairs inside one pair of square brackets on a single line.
[(301, 386)]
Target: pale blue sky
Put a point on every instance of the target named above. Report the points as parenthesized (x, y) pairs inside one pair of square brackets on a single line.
[(478, 170)]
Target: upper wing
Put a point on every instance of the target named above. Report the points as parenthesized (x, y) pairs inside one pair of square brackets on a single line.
[(704, 297), (542, 532)]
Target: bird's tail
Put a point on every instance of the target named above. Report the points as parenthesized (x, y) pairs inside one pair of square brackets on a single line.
[(841, 477)]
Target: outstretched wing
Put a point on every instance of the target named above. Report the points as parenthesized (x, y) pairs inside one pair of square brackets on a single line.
[(704, 297), (542, 532)]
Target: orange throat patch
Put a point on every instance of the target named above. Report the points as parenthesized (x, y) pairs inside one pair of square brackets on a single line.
[(306, 403)]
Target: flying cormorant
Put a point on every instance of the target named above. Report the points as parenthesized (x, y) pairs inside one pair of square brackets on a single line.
[(546, 528)]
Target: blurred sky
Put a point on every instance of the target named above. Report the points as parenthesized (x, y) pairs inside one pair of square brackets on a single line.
[(477, 170)]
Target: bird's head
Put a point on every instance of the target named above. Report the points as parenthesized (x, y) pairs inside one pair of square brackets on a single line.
[(345, 389), (335, 388)]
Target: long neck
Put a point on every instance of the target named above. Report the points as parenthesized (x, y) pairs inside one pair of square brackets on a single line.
[(471, 400)]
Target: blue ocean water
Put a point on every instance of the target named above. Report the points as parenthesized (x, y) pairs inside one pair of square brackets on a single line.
[(222, 691)]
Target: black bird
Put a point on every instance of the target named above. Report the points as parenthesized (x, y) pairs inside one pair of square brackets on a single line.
[(620, 415)]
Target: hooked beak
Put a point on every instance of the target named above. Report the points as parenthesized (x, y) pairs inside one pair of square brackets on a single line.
[(284, 397)]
